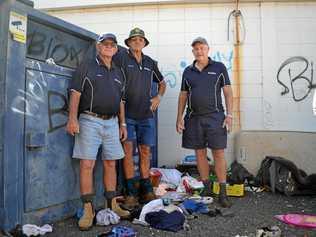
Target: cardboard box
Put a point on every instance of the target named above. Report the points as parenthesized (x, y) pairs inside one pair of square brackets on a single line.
[(236, 190)]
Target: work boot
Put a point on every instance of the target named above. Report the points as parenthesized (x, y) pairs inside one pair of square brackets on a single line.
[(223, 199), (147, 197), (111, 203), (207, 192), (131, 201), (124, 214), (146, 190), (86, 221)]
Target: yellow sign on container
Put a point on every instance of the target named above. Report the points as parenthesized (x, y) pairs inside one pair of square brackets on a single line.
[(17, 27)]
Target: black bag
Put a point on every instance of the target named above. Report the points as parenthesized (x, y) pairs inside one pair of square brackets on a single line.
[(282, 175), (239, 174)]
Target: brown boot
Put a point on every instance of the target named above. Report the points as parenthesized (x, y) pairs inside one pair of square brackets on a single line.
[(147, 197), (86, 221), (118, 210), (130, 203)]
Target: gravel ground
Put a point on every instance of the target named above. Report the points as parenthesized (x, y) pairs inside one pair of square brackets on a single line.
[(251, 212)]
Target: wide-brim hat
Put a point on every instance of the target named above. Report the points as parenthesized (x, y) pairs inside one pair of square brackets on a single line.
[(137, 32)]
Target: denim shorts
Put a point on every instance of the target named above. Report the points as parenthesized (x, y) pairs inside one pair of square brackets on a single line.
[(95, 132), (205, 131), (141, 130)]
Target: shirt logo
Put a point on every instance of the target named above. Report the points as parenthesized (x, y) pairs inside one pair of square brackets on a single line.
[(130, 65), (147, 69), (211, 73), (117, 80), (99, 75)]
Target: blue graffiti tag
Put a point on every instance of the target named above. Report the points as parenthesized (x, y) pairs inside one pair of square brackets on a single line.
[(172, 77), (221, 57)]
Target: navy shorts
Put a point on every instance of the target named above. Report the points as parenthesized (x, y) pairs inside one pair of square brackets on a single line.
[(205, 131), (141, 130)]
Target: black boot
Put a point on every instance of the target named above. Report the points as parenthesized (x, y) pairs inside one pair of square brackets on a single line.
[(146, 191), (223, 199), (207, 192), (131, 198)]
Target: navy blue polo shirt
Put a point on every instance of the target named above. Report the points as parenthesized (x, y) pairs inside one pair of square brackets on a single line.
[(204, 87), (139, 79), (101, 88)]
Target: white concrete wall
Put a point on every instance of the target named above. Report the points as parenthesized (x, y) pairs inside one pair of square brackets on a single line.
[(274, 33), (253, 146)]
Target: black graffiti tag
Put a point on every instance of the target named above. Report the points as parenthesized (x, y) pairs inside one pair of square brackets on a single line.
[(299, 77), (62, 110), (44, 46)]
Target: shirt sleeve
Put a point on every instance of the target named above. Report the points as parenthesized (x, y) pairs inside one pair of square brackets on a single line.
[(78, 77), (224, 80), (184, 83), (158, 77)]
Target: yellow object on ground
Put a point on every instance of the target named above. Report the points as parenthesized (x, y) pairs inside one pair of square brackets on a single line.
[(236, 190)]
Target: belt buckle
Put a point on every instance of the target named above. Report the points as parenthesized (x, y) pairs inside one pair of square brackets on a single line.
[(104, 117)]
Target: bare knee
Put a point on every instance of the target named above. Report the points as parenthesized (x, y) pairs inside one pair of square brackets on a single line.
[(128, 148), (218, 153), (144, 151), (109, 164), (87, 165), (200, 154)]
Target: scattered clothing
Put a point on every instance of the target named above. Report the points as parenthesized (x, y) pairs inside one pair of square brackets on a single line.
[(153, 206), (193, 206), (161, 189), (107, 217), (119, 231), (139, 222), (163, 220), (188, 184), (205, 200), (34, 230), (171, 208), (175, 196), (169, 176), (123, 231)]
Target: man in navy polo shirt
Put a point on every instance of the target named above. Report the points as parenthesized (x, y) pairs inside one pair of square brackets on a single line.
[(96, 93), (141, 71), (205, 125)]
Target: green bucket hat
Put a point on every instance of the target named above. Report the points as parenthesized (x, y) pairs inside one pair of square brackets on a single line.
[(137, 32)]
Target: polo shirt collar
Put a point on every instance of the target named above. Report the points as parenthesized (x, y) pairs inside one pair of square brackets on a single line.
[(100, 63), (193, 67), (130, 53)]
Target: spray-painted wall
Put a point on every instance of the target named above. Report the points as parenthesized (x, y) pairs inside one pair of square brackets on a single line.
[(275, 59)]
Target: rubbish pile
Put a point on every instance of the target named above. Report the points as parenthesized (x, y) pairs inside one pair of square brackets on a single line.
[(178, 191)]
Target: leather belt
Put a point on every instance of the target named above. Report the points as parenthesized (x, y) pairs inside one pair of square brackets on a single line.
[(101, 116)]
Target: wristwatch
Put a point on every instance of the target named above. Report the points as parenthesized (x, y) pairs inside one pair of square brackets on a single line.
[(229, 115), (159, 96), (123, 124)]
